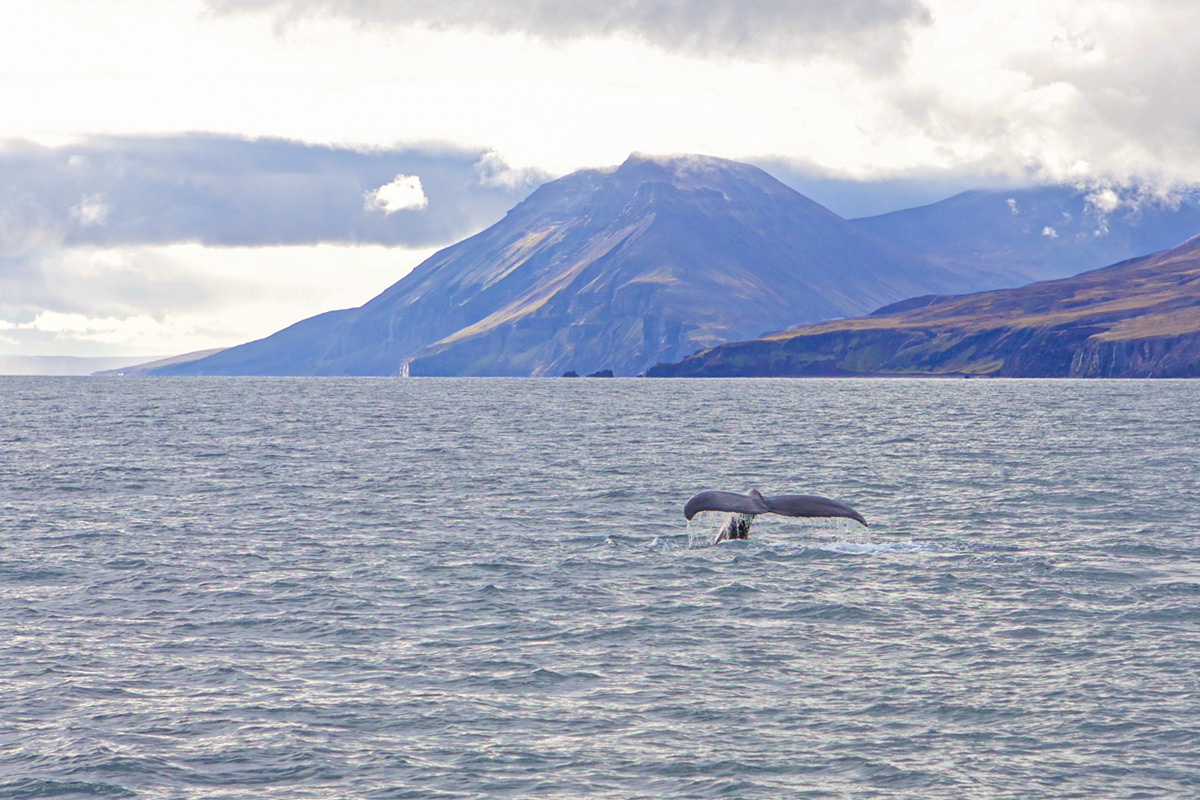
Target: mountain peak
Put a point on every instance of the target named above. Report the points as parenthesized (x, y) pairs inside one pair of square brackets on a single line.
[(690, 168), (675, 162), (618, 268)]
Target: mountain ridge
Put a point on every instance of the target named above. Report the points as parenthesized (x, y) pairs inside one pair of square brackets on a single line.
[(1018, 235), (606, 268), (1136, 318)]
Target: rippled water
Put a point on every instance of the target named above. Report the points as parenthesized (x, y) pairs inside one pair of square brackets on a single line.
[(245, 588)]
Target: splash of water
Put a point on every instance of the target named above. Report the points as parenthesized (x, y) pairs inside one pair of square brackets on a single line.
[(704, 528)]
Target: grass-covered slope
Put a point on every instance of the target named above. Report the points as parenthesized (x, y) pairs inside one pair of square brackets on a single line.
[(1138, 318)]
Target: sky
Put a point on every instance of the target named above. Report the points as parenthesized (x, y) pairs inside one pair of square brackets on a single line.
[(184, 174)]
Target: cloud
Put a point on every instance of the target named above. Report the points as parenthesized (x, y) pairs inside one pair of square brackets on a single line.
[(1055, 89), (90, 210), (1104, 201), (50, 325), (494, 172), (167, 244), (96, 282), (404, 193), (871, 30), (229, 190), (862, 197), (178, 298)]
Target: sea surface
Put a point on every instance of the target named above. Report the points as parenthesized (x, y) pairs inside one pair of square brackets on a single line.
[(485, 588)]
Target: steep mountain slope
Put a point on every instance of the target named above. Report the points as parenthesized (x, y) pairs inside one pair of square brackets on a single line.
[(1139, 318), (617, 268), (1014, 236)]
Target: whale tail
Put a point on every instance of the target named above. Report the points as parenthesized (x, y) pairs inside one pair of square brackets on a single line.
[(744, 507)]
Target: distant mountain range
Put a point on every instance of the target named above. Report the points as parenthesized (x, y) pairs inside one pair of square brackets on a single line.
[(650, 261), (1136, 319), (1012, 237)]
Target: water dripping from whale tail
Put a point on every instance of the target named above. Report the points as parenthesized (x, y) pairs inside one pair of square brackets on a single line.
[(708, 528)]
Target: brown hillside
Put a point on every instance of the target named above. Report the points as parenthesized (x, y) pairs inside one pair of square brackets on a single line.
[(1139, 318)]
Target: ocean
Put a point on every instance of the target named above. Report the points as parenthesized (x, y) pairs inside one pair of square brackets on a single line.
[(485, 588)]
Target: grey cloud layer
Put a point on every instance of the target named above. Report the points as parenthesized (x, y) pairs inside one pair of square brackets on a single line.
[(38, 281), (215, 190), (874, 29), (229, 191)]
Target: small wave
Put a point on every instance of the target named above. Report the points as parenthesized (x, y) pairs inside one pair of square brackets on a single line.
[(32, 575), (126, 563), (542, 678), (1090, 574), (38, 787), (1188, 614), (734, 590), (840, 548), (1178, 587), (1026, 632), (833, 612), (863, 548), (652, 543)]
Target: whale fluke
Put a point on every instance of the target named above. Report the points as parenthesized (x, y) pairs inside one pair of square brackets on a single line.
[(787, 505), (810, 505), (753, 503)]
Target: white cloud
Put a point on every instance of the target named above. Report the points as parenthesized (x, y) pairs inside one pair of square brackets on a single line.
[(1105, 200), (495, 172), (403, 193), (1028, 87), (179, 298), (105, 330), (1012, 206), (91, 210), (1049, 232)]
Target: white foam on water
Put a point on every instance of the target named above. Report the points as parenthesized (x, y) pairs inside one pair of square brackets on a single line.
[(831, 534), (860, 547)]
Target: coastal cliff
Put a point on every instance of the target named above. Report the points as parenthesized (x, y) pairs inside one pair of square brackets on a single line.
[(1136, 319)]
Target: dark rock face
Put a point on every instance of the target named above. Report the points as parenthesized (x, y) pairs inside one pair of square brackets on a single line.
[(1136, 319), (619, 269), (604, 373), (1154, 357)]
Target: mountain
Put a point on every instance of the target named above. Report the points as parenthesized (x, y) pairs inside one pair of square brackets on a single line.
[(148, 367), (1136, 319), (64, 365), (1014, 236), (618, 268)]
